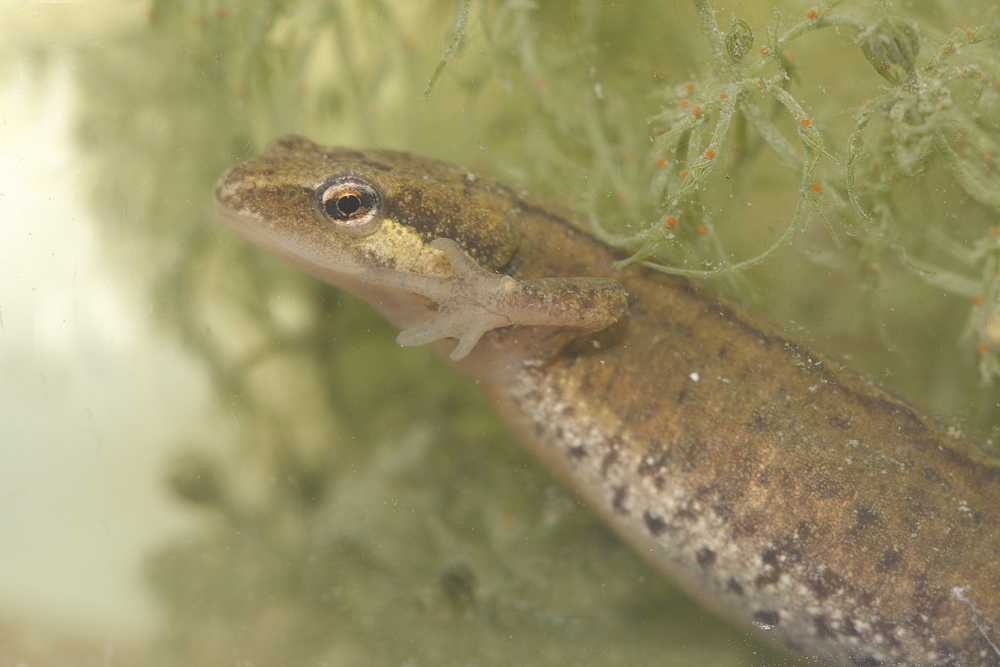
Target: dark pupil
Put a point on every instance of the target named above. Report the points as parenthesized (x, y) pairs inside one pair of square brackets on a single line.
[(347, 205)]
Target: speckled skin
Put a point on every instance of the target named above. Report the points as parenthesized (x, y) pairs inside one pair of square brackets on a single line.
[(782, 489)]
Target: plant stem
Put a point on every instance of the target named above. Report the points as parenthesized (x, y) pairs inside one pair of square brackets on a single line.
[(706, 14)]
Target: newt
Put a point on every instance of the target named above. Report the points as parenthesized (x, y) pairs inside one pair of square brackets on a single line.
[(787, 492)]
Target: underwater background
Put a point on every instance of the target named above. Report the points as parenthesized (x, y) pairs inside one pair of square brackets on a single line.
[(211, 458)]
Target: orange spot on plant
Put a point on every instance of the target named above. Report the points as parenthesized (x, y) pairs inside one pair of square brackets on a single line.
[(969, 33), (624, 197), (696, 110), (684, 104), (723, 96), (816, 187), (994, 231), (709, 154), (977, 299), (684, 174), (984, 348), (812, 13), (689, 85), (703, 229), (540, 82), (805, 122), (946, 48), (660, 132), (764, 50), (671, 221), (661, 162)]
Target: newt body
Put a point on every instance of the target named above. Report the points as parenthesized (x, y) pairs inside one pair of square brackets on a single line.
[(787, 492)]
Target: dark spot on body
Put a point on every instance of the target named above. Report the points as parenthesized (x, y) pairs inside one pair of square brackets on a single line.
[(723, 509), (682, 394), (577, 452), (705, 557), (777, 559), (609, 459), (926, 600), (864, 519), (823, 629), (823, 582), (840, 421), (655, 524), (919, 508), (803, 531), (733, 586), (659, 482), (768, 619), (618, 500), (849, 628), (653, 461), (745, 526), (865, 660), (772, 568), (759, 421), (770, 577), (891, 559)]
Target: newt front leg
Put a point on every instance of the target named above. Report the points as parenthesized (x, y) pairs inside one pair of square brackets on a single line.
[(473, 301)]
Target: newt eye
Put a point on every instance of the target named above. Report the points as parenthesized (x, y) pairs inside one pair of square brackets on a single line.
[(352, 204)]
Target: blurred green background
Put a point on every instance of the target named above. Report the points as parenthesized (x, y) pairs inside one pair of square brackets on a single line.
[(211, 458)]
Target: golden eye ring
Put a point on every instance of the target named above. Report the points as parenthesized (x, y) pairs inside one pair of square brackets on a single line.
[(352, 204)]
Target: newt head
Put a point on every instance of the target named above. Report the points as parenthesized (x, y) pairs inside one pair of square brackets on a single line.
[(338, 212)]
